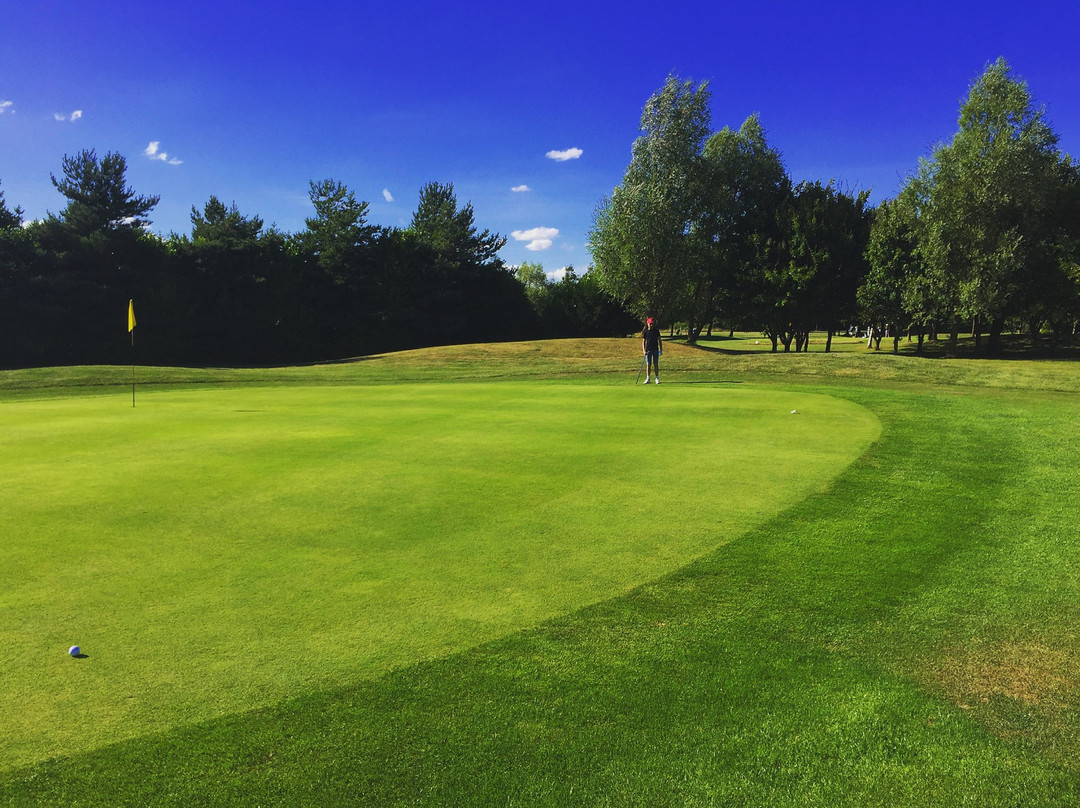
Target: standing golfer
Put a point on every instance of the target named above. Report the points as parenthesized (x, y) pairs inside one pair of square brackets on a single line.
[(652, 345)]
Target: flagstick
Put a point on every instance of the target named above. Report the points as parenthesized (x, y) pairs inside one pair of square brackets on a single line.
[(133, 368)]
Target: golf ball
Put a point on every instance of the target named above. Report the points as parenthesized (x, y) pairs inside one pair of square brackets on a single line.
[(74, 650)]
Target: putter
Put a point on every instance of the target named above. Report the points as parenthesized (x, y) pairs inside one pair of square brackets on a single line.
[(641, 368)]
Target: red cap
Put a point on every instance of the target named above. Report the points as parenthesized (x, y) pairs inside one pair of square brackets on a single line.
[(649, 321)]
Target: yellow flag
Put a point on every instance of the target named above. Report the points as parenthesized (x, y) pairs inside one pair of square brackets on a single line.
[(131, 315)]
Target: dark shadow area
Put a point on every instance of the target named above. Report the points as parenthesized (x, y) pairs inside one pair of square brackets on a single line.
[(712, 349), (1013, 346)]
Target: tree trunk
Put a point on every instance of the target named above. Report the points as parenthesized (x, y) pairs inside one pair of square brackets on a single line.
[(993, 342), (954, 339)]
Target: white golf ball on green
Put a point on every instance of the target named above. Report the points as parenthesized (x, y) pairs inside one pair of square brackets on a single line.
[(74, 650)]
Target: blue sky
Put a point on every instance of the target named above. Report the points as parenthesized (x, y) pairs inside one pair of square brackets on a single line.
[(249, 101)]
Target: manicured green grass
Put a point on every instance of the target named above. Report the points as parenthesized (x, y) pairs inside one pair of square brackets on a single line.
[(905, 635), (216, 550)]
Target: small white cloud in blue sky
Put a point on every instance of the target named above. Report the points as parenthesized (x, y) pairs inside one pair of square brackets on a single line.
[(74, 116), (520, 189), (5, 106), (539, 238), (563, 156), (154, 152), (387, 195)]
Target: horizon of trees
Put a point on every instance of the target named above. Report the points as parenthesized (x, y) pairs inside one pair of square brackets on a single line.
[(233, 291), (708, 229)]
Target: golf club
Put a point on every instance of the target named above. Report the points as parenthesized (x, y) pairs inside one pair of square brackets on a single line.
[(641, 368)]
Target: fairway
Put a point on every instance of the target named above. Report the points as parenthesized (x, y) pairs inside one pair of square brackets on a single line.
[(221, 549)]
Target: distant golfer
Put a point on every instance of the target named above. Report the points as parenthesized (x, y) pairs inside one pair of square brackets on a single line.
[(652, 345)]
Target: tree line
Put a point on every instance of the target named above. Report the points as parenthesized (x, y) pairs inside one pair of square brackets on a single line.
[(234, 291), (709, 229), (706, 229)]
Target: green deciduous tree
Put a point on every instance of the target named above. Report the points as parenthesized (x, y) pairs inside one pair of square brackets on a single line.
[(808, 272), (745, 187), (535, 281), (642, 240), (886, 295), (992, 233), (827, 245), (573, 306)]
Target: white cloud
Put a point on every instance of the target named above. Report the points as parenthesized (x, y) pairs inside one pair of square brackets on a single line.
[(563, 156), (536, 232), (5, 106), (539, 238), (389, 197), (520, 189), (154, 152), (74, 116)]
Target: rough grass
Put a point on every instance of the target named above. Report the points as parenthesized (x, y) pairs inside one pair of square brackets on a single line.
[(574, 360), (905, 637)]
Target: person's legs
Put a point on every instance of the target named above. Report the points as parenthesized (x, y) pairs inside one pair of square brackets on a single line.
[(654, 366)]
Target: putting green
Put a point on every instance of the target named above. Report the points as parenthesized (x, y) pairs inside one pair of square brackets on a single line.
[(220, 549)]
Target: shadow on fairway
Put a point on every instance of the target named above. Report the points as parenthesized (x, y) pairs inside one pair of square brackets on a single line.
[(723, 351)]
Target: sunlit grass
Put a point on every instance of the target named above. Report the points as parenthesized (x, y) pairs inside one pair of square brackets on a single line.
[(219, 549), (905, 635)]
